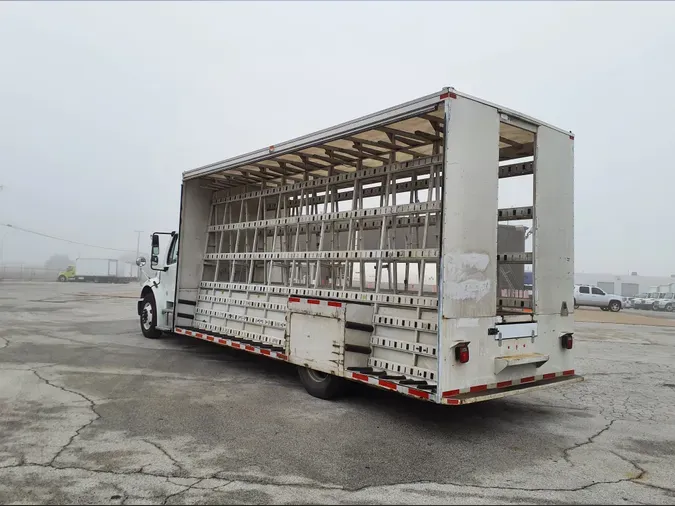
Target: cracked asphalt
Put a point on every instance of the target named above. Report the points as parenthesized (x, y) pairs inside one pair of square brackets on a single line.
[(92, 412)]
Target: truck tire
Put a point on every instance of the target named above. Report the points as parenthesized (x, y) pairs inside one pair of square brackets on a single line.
[(576, 306), (615, 306), (149, 318), (62, 278), (321, 384), (655, 306), (669, 308)]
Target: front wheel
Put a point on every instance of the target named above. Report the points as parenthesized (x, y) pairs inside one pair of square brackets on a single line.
[(615, 306), (655, 307), (321, 384), (149, 318), (669, 308), (62, 278)]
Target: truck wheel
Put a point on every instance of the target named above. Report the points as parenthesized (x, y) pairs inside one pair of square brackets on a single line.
[(655, 306), (669, 307), (149, 318), (615, 306), (576, 306), (62, 278), (321, 384)]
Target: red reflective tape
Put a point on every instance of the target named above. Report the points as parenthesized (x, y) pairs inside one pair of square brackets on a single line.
[(452, 402), (360, 377), (265, 352), (478, 388), (450, 393), (249, 348), (210, 338), (387, 384), (188, 332), (549, 375), (448, 95), (199, 335), (313, 301), (334, 304), (282, 356), (568, 373), (527, 380), (222, 341), (418, 393), (294, 299), (503, 384), (235, 345)]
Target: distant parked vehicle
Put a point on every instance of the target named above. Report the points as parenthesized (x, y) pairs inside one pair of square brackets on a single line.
[(590, 295), (99, 270), (646, 300), (627, 302), (665, 303)]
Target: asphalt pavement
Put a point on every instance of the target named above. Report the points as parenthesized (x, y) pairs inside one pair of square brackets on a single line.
[(91, 411)]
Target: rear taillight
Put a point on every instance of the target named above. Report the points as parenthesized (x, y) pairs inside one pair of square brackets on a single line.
[(567, 341), (462, 353)]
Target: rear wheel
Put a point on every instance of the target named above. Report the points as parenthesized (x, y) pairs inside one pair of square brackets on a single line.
[(321, 384), (615, 306), (655, 306), (669, 307), (149, 318)]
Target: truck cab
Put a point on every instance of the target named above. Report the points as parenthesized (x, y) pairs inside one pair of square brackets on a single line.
[(67, 275), (157, 300)]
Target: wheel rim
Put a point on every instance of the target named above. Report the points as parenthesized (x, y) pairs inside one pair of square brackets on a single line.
[(316, 375), (146, 316), (614, 306)]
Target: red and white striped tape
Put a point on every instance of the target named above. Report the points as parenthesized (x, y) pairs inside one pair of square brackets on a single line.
[(447, 395), (223, 341), (390, 385), (314, 302)]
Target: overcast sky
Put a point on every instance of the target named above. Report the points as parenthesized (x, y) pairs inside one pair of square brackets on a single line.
[(104, 105)]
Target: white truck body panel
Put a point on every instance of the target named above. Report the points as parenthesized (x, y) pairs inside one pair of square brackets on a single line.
[(371, 251), (95, 267)]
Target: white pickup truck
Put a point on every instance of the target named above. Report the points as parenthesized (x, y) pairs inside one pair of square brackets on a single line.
[(589, 295)]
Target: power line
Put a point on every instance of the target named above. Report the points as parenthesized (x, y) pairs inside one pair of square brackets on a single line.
[(64, 240)]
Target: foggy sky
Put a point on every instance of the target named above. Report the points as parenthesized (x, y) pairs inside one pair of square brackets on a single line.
[(104, 105)]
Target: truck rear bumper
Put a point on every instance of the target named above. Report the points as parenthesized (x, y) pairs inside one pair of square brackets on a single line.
[(496, 393)]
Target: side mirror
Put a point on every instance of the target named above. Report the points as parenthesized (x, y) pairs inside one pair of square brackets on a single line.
[(140, 261), (154, 258)]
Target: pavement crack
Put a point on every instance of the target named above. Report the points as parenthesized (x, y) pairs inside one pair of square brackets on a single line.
[(589, 440), (6, 342), (92, 406), (186, 489), (167, 455)]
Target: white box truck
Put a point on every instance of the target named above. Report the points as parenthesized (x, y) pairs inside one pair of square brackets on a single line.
[(100, 270), (369, 252)]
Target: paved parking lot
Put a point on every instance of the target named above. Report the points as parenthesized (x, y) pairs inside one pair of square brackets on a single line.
[(93, 412)]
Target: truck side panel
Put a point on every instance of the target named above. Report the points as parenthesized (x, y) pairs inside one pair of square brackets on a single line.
[(194, 220)]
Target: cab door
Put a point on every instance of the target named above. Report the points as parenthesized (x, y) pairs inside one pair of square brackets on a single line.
[(584, 296), (598, 297), (168, 284)]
